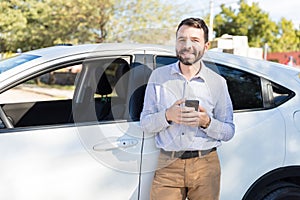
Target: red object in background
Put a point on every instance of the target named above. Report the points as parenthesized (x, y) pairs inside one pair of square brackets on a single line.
[(284, 57)]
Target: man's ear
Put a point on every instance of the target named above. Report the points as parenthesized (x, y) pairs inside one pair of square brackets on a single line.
[(206, 46)]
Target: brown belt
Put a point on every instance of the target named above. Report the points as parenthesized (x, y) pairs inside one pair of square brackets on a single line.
[(187, 154)]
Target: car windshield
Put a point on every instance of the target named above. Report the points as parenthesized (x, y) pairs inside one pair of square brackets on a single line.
[(10, 63)]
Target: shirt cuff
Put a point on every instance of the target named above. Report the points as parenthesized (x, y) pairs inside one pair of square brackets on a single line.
[(209, 130), (162, 119)]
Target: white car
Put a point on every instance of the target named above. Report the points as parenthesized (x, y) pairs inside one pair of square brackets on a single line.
[(70, 124)]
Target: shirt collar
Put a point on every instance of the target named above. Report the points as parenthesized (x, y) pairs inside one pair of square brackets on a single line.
[(175, 68), (201, 74)]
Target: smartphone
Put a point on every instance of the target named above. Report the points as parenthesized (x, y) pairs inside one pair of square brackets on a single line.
[(192, 103)]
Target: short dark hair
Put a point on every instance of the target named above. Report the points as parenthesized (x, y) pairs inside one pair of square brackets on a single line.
[(196, 23)]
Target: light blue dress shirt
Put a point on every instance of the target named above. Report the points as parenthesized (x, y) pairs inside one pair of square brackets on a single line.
[(167, 85)]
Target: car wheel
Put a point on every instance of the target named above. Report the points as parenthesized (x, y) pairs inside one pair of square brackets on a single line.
[(285, 191)]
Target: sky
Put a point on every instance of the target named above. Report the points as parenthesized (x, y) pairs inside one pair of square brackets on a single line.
[(289, 9)]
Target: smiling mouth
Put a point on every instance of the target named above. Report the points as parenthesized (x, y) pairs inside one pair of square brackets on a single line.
[(185, 51), (187, 54)]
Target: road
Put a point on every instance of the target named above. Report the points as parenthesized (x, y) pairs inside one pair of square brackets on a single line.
[(29, 94)]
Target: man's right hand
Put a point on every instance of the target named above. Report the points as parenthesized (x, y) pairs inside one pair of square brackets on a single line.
[(174, 113)]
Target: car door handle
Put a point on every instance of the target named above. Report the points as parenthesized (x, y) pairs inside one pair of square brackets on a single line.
[(110, 145)]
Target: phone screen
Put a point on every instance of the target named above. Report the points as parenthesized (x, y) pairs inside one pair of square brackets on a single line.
[(192, 103)]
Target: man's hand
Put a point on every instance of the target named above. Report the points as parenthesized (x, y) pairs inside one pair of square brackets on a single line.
[(204, 119), (175, 111), (187, 115)]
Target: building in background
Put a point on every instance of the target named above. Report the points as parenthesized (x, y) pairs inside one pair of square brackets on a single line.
[(237, 45)]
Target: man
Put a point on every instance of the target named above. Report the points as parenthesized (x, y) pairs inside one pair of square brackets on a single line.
[(188, 165)]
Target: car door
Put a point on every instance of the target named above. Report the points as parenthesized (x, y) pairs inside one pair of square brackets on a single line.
[(260, 129), (83, 146)]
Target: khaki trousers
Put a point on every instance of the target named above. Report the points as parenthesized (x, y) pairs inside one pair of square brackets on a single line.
[(194, 178)]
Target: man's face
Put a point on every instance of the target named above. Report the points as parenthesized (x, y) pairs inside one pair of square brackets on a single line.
[(190, 44)]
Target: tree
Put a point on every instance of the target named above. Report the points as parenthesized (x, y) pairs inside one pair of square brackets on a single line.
[(298, 39), (151, 21), (251, 21), (247, 20), (287, 39), (80, 21), (11, 20), (32, 24)]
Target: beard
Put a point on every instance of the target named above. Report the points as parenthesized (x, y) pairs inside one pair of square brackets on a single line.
[(191, 60)]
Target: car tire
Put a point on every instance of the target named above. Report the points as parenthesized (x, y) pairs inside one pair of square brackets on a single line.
[(284, 191)]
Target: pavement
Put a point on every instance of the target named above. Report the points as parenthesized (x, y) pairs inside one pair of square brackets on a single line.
[(52, 92), (34, 93)]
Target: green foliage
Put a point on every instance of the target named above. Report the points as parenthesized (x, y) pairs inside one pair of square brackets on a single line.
[(32, 24), (253, 22), (288, 40), (78, 21), (43, 23), (143, 21), (11, 20)]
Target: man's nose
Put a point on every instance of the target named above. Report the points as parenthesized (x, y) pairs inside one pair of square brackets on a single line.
[(188, 44)]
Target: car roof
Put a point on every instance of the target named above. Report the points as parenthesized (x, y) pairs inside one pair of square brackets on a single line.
[(66, 50), (264, 68), (242, 62), (104, 49), (258, 66)]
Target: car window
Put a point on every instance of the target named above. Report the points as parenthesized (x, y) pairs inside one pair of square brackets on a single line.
[(10, 63), (280, 94), (103, 91), (164, 60), (94, 90), (247, 90), (244, 88), (43, 100), (54, 85)]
